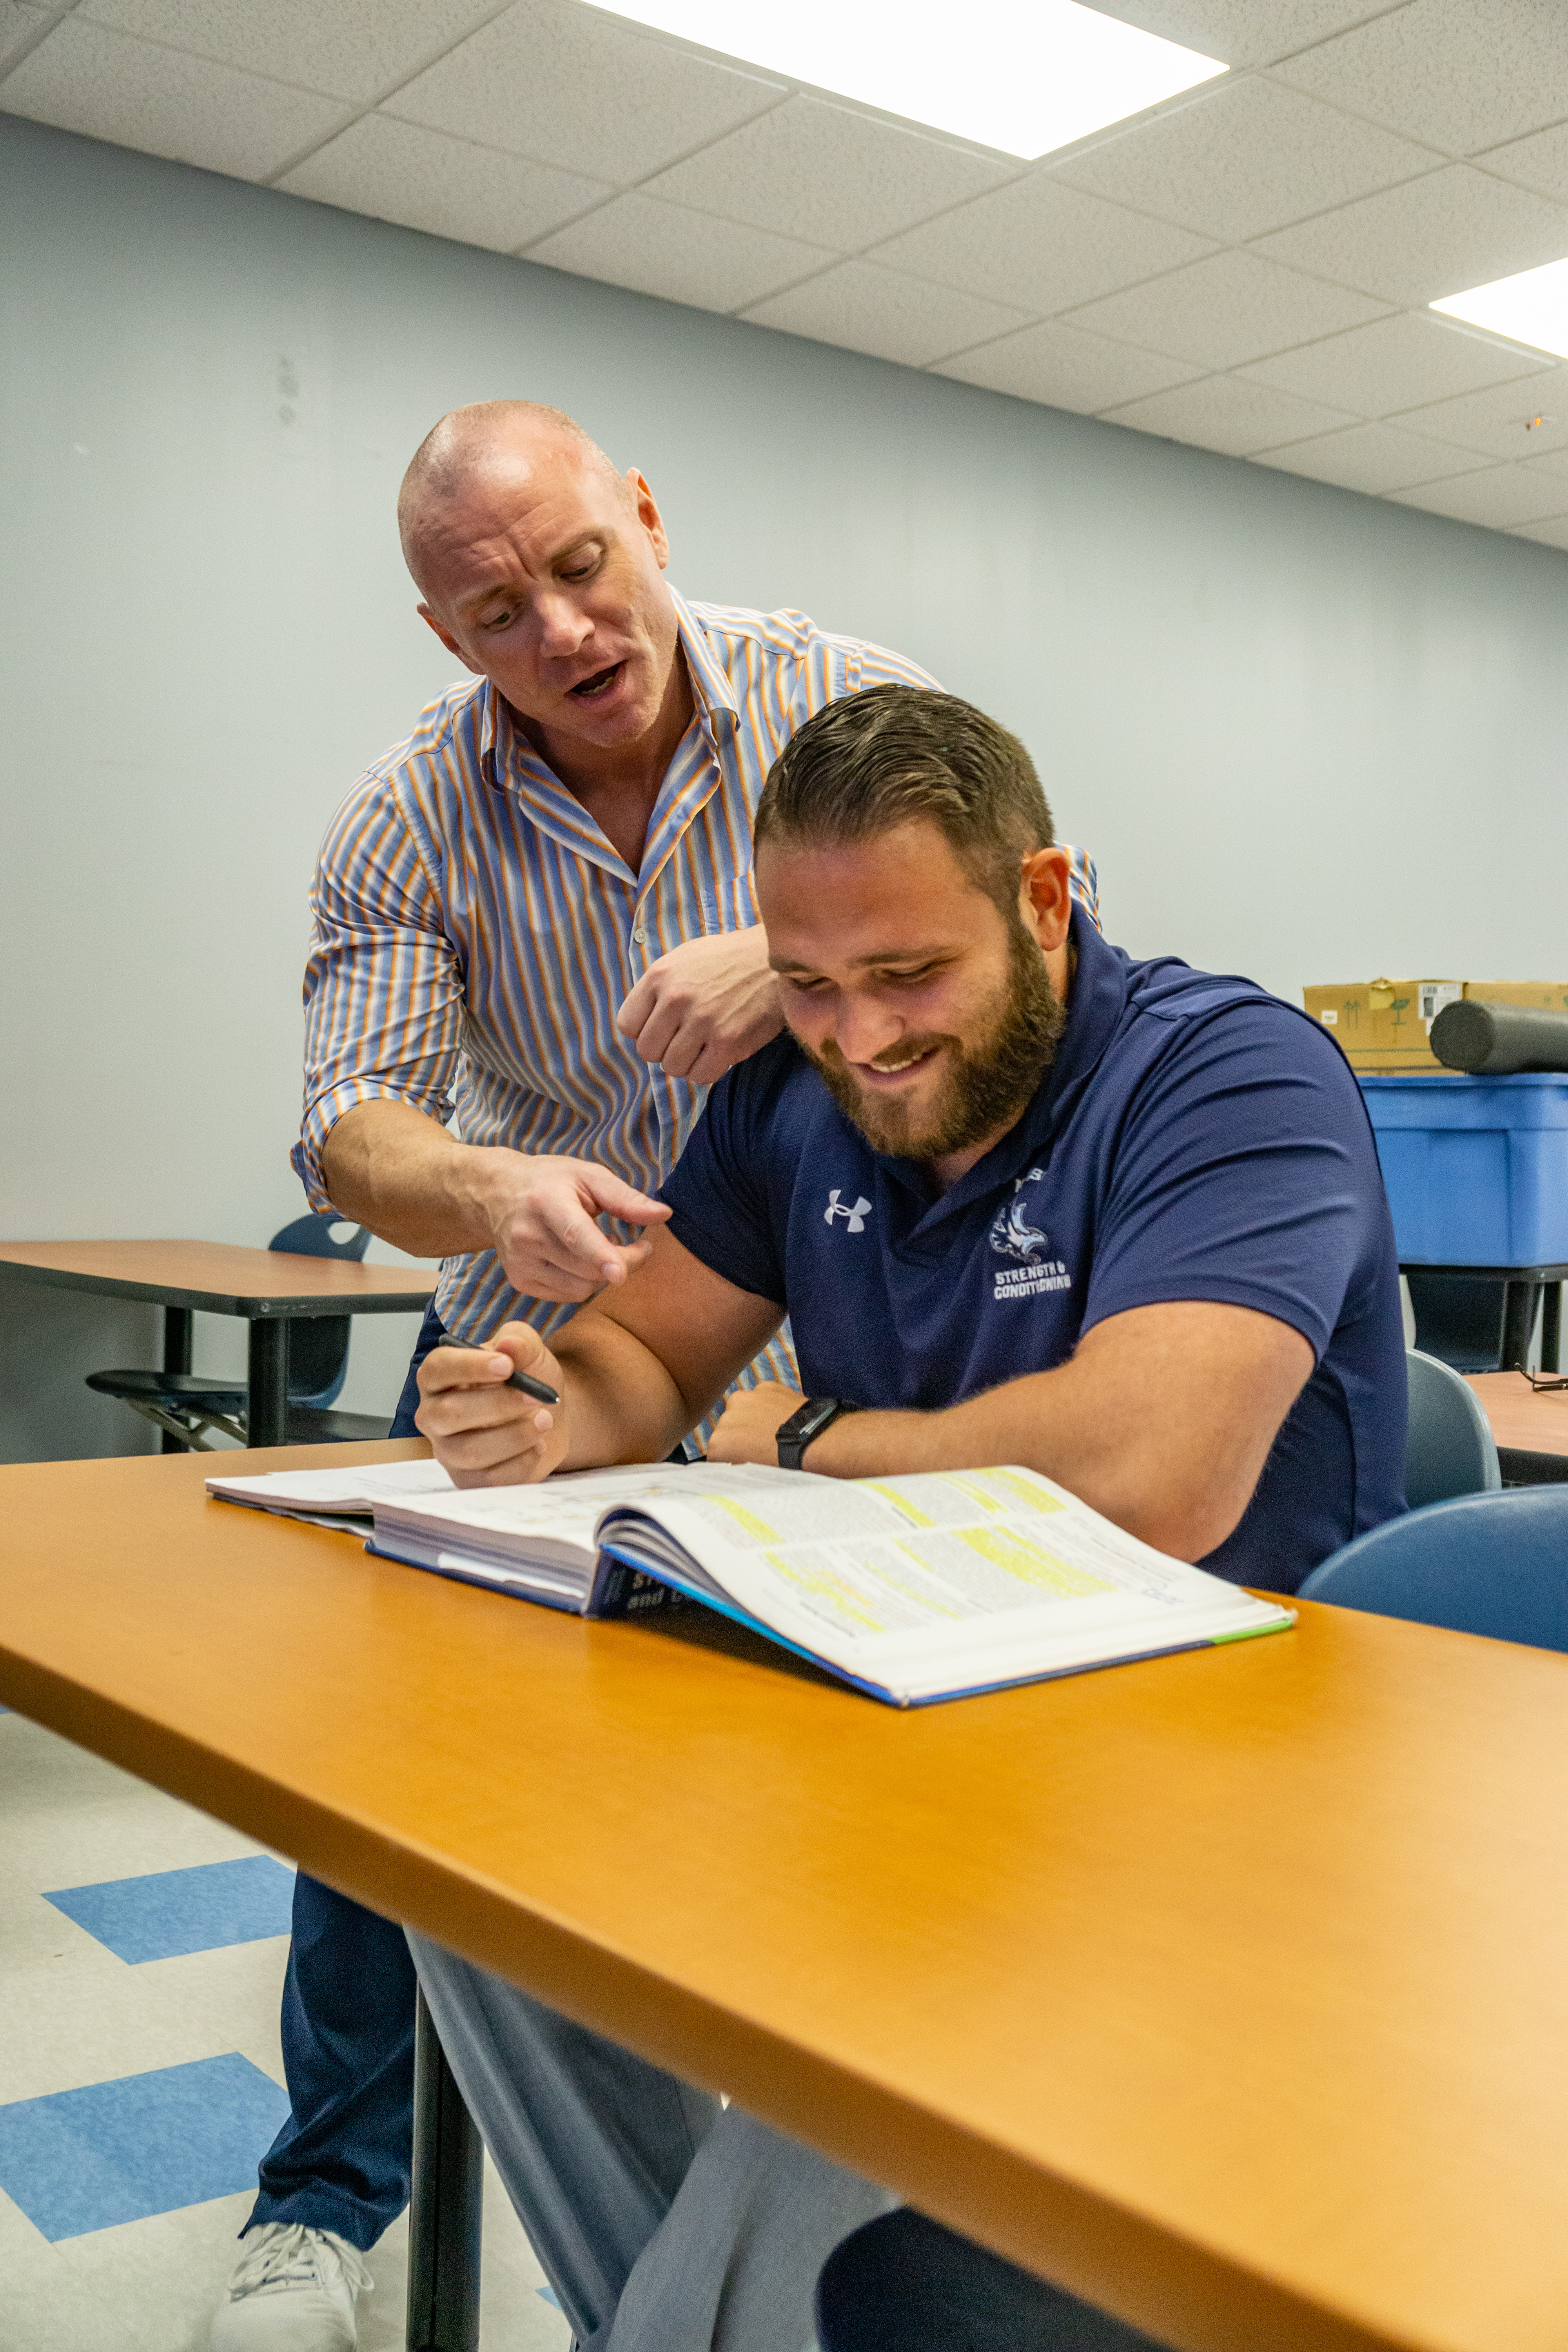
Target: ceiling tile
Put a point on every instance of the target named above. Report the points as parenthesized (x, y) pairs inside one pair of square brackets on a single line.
[(396, 172), (1231, 308), (1540, 162), (1500, 496), (1462, 74), (1245, 157), (1548, 534), (346, 48), (1243, 32), (569, 87), (85, 78), (1397, 363), (1066, 368), (685, 256), (1501, 422), (1222, 413), (1555, 463), (1041, 246), (18, 26), (1434, 236), (886, 313), (1374, 457), (819, 172)]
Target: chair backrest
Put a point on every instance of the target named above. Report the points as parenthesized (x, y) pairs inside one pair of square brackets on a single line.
[(1449, 1448), (319, 1344), (1493, 1564), (327, 1235)]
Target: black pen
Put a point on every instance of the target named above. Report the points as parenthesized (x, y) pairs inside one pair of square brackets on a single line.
[(525, 1381)]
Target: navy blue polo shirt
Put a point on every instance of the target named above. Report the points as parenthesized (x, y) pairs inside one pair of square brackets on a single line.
[(1194, 1138)]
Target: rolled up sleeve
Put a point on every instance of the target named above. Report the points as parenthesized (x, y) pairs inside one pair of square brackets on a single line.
[(384, 985)]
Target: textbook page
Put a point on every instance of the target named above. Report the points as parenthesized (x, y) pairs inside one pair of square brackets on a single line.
[(935, 1582), (542, 1537), (333, 1495)]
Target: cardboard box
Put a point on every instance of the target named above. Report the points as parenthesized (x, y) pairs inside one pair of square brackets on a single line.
[(1386, 1025)]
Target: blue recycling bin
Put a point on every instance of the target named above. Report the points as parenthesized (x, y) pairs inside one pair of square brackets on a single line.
[(1476, 1169)]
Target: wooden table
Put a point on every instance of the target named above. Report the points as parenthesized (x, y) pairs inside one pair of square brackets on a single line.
[(1530, 1426), (1230, 1988), (269, 1287)]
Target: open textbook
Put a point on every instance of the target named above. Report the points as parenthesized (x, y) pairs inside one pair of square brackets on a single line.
[(914, 1589)]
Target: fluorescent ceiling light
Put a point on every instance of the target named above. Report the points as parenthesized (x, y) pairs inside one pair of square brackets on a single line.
[(1532, 307), (1025, 76)]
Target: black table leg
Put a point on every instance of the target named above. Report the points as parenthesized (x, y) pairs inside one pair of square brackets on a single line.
[(446, 2208), (266, 1421), (177, 1322), (1550, 1326), (1517, 1323)]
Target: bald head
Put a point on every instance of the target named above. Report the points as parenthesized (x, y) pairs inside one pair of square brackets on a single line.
[(489, 441)]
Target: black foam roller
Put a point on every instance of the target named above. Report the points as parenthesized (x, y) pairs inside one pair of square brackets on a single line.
[(1493, 1041)]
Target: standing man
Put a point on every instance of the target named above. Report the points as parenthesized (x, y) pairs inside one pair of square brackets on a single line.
[(539, 910)]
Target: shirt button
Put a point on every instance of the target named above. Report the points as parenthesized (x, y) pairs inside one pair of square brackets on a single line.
[(640, 933)]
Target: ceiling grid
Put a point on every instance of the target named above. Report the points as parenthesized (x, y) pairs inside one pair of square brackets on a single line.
[(1246, 267)]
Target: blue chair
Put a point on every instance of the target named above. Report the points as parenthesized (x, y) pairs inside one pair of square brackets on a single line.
[(186, 1406), (1449, 1448), (1495, 1564)]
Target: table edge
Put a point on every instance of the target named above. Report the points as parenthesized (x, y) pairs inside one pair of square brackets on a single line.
[(249, 1307), (1174, 2288)]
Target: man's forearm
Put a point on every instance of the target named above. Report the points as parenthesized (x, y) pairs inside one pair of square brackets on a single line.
[(1044, 1422), (623, 1405), (391, 1168), (1163, 1421)]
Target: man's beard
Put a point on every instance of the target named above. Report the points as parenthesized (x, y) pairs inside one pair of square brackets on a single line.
[(986, 1083)]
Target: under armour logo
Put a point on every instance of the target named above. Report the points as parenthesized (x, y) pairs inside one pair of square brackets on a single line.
[(855, 1217)]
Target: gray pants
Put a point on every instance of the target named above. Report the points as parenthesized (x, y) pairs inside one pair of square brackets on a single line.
[(664, 2221)]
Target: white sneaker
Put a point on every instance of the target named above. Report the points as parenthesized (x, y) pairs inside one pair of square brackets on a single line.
[(294, 2290)]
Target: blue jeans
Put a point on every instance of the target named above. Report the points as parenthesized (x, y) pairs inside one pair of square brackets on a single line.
[(342, 2160)]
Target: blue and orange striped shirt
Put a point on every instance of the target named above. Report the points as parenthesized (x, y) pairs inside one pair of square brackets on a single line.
[(476, 934)]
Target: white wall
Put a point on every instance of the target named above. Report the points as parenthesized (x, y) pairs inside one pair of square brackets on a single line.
[(1309, 736)]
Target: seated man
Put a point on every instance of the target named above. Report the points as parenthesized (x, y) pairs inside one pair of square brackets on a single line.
[(1025, 1199)]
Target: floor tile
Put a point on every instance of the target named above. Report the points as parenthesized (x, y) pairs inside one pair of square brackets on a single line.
[(72, 2014), (93, 2020), (67, 1818), (171, 1912), (120, 2151), (163, 2276), (45, 2306)]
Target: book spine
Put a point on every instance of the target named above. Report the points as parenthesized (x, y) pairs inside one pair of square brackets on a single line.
[(622, 1592)]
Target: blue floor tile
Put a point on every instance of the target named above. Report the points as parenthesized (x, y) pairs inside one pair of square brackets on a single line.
[(174, 1911), (147, 2144)]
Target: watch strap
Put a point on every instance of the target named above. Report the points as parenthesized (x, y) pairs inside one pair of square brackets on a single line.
[(805, 1423)]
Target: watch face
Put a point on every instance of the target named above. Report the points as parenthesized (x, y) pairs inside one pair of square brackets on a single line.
[(806, 1421), (809, 1419)]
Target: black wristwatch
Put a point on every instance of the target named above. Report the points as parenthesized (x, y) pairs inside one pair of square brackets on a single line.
[(806, 1421)]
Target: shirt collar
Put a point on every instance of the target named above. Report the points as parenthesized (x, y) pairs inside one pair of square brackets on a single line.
[(720, 712), (710, 680)]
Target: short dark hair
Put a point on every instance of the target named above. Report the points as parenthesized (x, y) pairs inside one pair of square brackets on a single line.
[(897, 754)]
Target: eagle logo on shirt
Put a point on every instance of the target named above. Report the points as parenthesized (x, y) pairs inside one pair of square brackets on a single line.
[(1012, 1236)]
